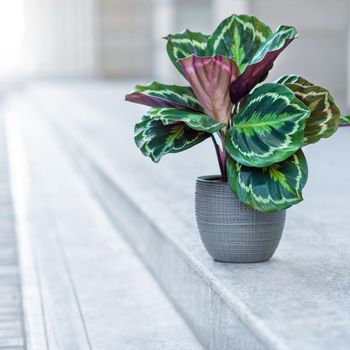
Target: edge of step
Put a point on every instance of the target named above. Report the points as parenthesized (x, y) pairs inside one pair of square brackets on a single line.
[(54, 276), (216, 316)]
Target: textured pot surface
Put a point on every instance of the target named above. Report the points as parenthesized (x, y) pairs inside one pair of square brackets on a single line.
[(230, 231)]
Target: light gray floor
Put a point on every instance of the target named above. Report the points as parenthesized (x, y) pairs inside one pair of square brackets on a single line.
[(95, 293), (11, 325), (298, 300)]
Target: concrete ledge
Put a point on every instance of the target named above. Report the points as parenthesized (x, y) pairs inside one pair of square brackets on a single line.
[(84, 288), (192, 290), (298, 300)]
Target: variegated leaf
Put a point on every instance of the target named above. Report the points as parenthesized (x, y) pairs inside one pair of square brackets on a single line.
[(195, 120), (262, 62), (162, 95), (269, 128), (345, 120), (210, 79), (293, 79), (272, 188), (185, 44), (238, 37), (325, 115), (155, 139)]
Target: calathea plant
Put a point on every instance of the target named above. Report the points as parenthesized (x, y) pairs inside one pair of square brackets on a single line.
[(258, 129)]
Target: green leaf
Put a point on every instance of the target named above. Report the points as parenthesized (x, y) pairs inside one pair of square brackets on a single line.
[(155, 139), (275, 42), (325, 115), (195, 120), (345, 120), (292, 79), (185, 44), (269, 128), (162, 95), (271, 188), (239, 38), (262, 62)]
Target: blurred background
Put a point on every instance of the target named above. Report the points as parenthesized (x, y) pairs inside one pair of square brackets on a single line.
[(121, 39)]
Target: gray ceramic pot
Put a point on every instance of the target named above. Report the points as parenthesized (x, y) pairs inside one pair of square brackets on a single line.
[(230, 231)]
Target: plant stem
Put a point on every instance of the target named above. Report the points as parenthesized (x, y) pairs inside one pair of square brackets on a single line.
[(224, 157), (221, 153), (235, 110), (219, 156)]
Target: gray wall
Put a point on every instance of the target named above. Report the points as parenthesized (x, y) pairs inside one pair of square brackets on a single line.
[(321, 52), (125, 38), (122, 38)]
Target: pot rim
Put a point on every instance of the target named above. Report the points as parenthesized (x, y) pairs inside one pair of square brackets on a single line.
[(217, 179)]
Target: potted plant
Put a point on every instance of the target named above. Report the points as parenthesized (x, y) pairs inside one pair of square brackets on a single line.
[(258, 130)]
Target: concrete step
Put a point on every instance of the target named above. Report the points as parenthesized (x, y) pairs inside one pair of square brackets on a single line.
[(298, 300), (83, 286), (11, 313)]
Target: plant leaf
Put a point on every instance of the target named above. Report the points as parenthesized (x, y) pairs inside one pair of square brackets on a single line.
[(155, 139), (292, 79), (195, 120), (269, 128), (238, 37), (345, 120), (185, 44), (272, 188), (210, 79), (325, 115), (162, 95), (262, 62)]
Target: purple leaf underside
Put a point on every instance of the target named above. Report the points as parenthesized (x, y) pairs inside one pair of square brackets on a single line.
[(210, 79), (151, 101)]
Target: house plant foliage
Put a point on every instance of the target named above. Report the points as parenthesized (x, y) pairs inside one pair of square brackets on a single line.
[(258, 128)]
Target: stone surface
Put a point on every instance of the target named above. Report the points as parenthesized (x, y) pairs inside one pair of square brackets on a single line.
[(11, 324), (298, 300), (86, 288)]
